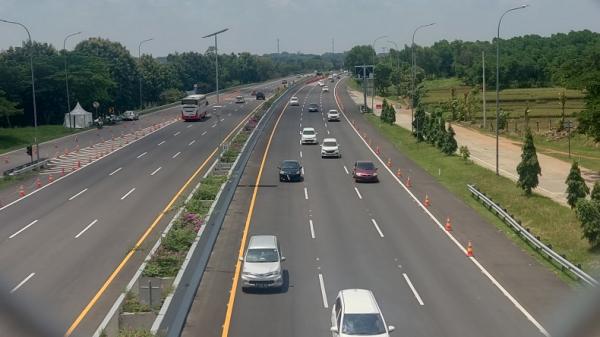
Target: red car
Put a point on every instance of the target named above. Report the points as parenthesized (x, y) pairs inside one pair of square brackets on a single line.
[(364, 171)]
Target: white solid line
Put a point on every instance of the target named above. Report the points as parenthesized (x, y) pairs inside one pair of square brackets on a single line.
[(158, 169), (413, 289), (161, 143), (128, 193), (176, 154), (22, 283), (203, 133), (300, 154), (323, 294), (141, 155), (78, 194), (115, 171), (177, 133), (22, 229), (377, 227), (192, 142), (452, 238), (346, 169), (312, 229), (86, 228), (358, 193), (305, 193)]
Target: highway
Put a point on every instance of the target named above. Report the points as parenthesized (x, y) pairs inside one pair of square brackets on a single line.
[(59, 246), (338, 234)]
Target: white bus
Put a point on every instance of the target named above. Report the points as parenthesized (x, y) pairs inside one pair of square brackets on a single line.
[(194, 107)]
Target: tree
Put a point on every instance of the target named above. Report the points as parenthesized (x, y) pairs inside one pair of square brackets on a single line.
[(464, 152), (588, 213), (419, 123), (595, 195), (440, 138), (383, 75), (576, 187), (359, 55), (450, 145), (391, 114), (8, 109), (589, 118), (384, 110), (529, 168)]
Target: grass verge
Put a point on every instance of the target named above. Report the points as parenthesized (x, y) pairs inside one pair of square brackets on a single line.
[(555, 224), (16, 138)]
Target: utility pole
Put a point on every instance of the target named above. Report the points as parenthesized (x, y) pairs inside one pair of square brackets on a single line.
[(216, 59), (71, 123), (364, 78), (277, 45), (483, 75), (414, 75), (140, 64)]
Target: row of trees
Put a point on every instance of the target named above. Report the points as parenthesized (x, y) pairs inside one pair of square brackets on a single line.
[(105, 71)]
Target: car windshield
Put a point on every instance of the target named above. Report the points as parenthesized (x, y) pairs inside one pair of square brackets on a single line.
[(363, 324), (365, 165), (330, 144), (333, 112), (290, 164), (308, 132), (313, 105), (262, 255), (189, 102)]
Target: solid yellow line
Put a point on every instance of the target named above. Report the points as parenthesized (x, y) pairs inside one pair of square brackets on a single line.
[(141, 240), (238, 264)]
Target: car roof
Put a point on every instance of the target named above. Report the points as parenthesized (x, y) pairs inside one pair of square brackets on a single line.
[(290, 161), (240, 96), (329, 140), (359, 301), (313, 104), (333, 110), (262, 241), (308, 129)]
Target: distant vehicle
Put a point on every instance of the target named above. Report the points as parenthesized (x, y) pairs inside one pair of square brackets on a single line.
[(130, 116), (321, 83), (313, 107), (284, 82), (260, 96), (308, 136), (240, 99), (290, 170), (294, 101), (262, 263), (253, 93), (333, 115), (325, 88), (330, 148), (364, 171), (356, 313), (194, 107)]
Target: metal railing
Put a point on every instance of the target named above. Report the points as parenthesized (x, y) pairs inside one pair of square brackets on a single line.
[(534, 241), (34, 165)]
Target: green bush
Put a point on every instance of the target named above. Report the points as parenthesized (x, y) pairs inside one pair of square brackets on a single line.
[(164, 263), (132, 304), (199, 207), (135, 333), (179, 239)]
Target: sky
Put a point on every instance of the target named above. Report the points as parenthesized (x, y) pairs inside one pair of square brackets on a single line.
[(306, 26)]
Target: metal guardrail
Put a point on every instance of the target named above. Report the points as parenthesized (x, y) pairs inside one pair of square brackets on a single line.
[(174, 319), (532, 239), (34, 165)]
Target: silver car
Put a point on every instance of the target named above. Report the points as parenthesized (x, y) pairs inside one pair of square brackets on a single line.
[(130, 115), (262, 263)]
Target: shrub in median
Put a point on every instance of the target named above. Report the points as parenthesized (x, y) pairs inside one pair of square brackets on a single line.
[(135, 333), (132, 304), (164, 263)]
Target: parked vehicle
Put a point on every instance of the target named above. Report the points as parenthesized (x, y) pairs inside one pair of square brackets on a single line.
[(240, 99), (130, 115)]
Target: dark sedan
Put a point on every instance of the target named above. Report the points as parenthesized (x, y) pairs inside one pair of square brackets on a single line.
[(290, 170), (364, 171), (260, 96), (313, 108)]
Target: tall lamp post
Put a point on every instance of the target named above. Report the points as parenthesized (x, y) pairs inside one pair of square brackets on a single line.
[(498, 81), (140, 62), (397, 58), (414, 74), (374, 56), (216, 59), (67, 77), (35, 132)]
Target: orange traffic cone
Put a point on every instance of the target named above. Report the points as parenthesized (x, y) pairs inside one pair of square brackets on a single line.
[(38, 183), (62, 172), (408, 184), (50, 178), (78, 163), (448, 224), (389, 163), (378, 150), (469, 249), (21, 191), (399, 173), (427, 203)]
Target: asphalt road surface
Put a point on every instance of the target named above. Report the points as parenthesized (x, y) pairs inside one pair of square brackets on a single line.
[(338, 234), (59, 245)]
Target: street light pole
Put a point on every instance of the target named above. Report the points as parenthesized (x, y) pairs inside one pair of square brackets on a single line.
[(374, 56), (498, 81), (216, 59), (140, 64), (35, 132), (397, 62), (414, 64), (67, 77)]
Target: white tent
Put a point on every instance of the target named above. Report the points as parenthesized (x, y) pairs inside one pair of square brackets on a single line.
[(79, 118)]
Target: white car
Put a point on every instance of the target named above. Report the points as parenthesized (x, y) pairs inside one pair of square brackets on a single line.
[(356, 313), (130, 116), (333, 115), (325, 88), (294, 101), (240, 99), (321, 83), (330, 148), (308, 136)]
